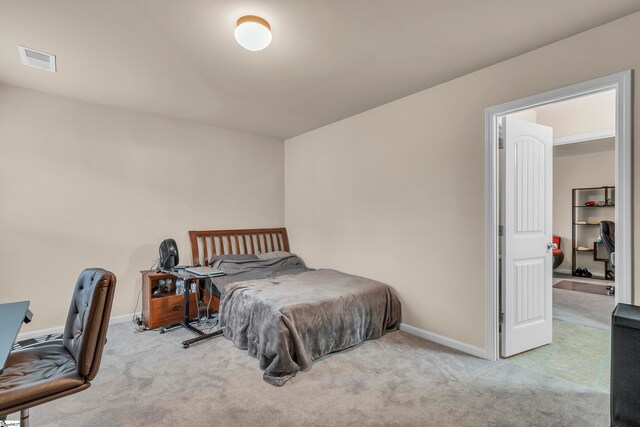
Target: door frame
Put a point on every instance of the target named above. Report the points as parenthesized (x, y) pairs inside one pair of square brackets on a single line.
[(622, 82)]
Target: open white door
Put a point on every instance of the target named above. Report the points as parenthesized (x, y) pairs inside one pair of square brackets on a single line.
[(527, 235)]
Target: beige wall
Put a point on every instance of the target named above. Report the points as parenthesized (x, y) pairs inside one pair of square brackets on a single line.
[(87, 185), (587, 164), (397, 193)]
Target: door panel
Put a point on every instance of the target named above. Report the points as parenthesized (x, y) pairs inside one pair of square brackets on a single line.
[(527, 256), (529, 174), (529, 291)]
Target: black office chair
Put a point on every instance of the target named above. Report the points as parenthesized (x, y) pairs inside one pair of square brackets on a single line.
[(608, 235), (38, 375)]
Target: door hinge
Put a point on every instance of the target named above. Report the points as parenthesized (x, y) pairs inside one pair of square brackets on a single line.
[(500, 321), (500, 230)]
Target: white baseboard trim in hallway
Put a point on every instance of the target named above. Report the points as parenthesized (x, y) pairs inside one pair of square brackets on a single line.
[(58, 329), (447, 342)]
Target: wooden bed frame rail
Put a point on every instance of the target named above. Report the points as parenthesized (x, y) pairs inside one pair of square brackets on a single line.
[(208, 243)]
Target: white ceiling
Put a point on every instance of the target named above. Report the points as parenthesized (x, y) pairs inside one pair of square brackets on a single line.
[(329, 59)]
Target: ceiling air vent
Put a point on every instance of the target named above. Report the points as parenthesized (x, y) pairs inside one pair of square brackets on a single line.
[(36, 59)]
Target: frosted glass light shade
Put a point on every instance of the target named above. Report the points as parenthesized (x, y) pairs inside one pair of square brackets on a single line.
[(253, 33)]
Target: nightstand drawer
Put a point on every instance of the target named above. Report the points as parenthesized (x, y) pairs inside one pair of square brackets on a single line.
[(167, 310)]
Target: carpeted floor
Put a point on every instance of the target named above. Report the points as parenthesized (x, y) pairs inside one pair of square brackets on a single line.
[(580, 351), (148, 379), (579, 354), (583, 308)]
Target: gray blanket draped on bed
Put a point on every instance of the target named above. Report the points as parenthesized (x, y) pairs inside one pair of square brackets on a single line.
[(287, 315)]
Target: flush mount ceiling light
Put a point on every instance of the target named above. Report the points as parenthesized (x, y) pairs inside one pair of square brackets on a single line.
[(253, 33)]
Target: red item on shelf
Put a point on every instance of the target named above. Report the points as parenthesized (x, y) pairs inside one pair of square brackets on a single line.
[(590, 203)]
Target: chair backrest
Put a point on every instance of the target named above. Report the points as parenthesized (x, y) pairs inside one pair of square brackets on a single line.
[(557, 240), (86, 328), (608, 234)]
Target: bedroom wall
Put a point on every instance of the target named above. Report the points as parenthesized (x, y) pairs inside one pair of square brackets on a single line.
[(586, 164), (397, 193), (86, 185)]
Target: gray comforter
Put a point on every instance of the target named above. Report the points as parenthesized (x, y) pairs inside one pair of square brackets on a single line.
[(287, 315)]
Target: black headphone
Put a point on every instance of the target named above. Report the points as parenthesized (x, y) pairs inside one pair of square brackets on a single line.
[(168, 254)]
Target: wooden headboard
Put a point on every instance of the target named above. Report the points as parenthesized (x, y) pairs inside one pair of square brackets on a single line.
[(208, 243)]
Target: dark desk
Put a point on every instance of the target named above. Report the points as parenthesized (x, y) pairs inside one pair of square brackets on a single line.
[(11, 317), (186, 322)]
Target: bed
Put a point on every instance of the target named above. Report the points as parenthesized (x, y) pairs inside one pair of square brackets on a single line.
[(282, 312)]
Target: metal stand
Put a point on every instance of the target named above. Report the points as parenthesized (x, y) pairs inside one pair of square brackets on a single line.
[(24, 418), (186, 321)]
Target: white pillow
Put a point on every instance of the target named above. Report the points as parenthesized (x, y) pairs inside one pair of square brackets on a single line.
[(274, 254)]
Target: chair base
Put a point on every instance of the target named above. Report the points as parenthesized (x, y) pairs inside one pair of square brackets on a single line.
[(558, 259), (24, 419)]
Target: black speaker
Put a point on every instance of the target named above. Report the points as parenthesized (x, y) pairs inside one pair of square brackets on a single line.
[(168, 254), (625, 366)]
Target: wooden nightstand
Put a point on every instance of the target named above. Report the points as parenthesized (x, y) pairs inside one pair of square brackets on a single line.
[(167, 309), (163, 309)]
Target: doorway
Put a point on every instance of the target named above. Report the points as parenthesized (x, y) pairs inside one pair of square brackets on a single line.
[(581, 132), (620, 85)]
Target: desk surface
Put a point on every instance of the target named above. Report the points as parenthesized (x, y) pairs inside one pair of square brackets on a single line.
[(11, 317), (183, 274)]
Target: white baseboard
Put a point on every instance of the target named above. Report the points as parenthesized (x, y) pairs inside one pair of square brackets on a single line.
[(567, 271), (58, 329), (448, 342)]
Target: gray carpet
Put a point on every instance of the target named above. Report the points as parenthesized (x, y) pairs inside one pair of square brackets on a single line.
[(583, 308), (147, 379)]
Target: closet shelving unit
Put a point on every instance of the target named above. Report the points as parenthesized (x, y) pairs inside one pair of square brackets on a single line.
[(586, 218)]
